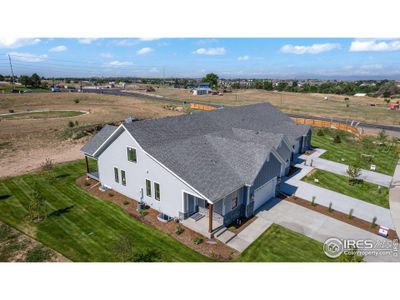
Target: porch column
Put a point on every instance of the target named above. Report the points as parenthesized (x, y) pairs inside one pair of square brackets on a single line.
[(87, 164), (210, 217)]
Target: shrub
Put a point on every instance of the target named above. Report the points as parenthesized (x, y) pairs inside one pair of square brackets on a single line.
[(126, 202), (71, 124), (76, 123), (143, 212), (337, 139), (374, 219), (313, 201), (87, 182), (111, 194), (179, 230), (320, 132), (350, 215), (197, 240), (38, 254), (11, 111), (76, 100), (47, 165), (347, 105)]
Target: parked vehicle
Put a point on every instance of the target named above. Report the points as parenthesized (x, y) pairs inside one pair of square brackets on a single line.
[(27, 91)]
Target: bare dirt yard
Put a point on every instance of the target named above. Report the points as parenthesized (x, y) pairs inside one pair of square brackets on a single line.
[(25, 143), (368, 109)]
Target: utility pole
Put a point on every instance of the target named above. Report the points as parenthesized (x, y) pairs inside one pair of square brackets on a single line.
[(12, 72), (163, 75)]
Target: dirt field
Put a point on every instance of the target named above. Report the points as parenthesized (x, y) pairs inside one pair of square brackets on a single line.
[(26, 143), (297, 103)]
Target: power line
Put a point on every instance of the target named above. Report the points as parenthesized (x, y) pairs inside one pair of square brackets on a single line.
[(12, 73)]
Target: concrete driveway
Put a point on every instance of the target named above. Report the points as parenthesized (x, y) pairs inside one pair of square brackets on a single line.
[(394, 197), (318, 226)]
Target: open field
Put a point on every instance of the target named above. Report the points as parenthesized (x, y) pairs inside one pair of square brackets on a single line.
[(351, 150), (299, 103), (42, 114), (26, 143), (278, 244), (85, 228), (365, 191)]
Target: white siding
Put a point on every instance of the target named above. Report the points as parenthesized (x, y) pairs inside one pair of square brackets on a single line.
[(171, 188)]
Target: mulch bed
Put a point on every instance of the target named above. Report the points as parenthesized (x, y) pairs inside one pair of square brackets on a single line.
[(340, 216), (215, 249), (245, 222)]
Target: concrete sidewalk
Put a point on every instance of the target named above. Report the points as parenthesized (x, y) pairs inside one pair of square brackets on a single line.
[(340, 169), (361, 209), (394, 198)]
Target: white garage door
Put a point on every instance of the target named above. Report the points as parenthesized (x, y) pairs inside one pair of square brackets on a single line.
[(264, 193)]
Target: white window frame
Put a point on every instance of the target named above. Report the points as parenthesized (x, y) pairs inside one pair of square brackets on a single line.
[(116, 173), (145, 181), (123, 178), (127, 149), (159, 191)]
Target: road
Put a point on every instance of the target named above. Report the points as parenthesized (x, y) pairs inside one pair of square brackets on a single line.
[(118, 92)]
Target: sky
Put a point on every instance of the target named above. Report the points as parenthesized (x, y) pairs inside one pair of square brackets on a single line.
[(297, 58)]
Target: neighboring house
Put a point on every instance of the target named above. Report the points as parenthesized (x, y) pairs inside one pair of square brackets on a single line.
[(201, 89), (223, 163)]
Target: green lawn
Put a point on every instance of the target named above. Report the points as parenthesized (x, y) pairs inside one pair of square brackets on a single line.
[(351, 150), (364, 191), (278, 244), (91, 228)]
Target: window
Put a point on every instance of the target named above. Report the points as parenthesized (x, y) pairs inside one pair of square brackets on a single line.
[(148, 188), (156, 191), (234, 202), (116, 176), (123, 178), (132, 154)]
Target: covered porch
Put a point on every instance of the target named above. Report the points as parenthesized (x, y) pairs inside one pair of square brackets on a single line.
[(200, 216), (92, 168)]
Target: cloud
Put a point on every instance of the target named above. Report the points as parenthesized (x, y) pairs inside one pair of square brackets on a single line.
[(13, 43), (27, 57), (210, 51), (117, 63), (206, 41), (144, 51), (374, 46), (372, 67), (148, 39), (154, 70), (313, 49), (106, 55), (87, 41), (244, 57), (60, 48)]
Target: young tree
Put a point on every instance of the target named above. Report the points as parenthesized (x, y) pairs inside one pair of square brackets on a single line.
[(382, 136), (211, 79), (353, 171), (37, 207), (25, 80)]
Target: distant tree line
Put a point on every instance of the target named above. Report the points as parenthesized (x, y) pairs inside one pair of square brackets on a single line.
[(384, 88)]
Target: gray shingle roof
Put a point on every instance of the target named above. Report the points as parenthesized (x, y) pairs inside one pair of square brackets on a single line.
[(217, 151), (97, 140)]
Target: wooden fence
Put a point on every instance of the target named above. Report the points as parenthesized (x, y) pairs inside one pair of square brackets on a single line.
[(202, 106), (327, 124)]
